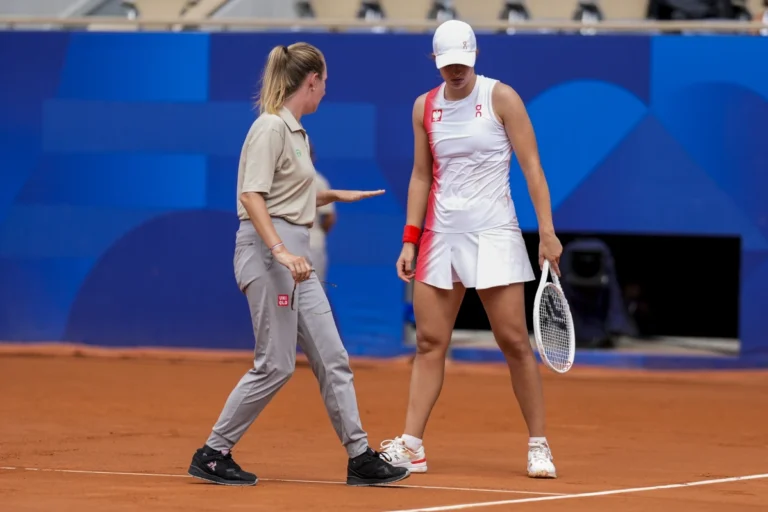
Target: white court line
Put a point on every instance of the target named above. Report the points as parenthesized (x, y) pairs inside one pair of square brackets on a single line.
[(582, 495), (284, 480)]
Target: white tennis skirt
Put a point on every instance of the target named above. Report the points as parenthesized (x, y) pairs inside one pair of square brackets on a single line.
[(483, 259)]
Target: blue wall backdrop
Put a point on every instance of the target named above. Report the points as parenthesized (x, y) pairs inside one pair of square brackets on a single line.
[(118, 158)]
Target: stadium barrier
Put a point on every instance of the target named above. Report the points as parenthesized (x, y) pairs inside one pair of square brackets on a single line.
[(118, 155), (637, 26)]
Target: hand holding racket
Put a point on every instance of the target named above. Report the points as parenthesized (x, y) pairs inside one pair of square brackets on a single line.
[(550, 249), (553, 324)]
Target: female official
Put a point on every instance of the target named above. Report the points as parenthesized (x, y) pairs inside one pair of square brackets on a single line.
[(465, 131), (276, 205)]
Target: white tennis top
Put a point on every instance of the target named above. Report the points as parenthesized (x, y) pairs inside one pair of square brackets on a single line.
[(471, 154)]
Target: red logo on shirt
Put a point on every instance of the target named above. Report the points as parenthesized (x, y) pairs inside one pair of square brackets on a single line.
[(282, 301), (437, 115), (478, 111)]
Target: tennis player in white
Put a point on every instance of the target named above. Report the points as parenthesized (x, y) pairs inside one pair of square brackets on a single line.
[(465, 132)]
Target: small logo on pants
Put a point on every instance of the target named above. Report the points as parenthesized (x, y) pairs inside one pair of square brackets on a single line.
[(282, 301)]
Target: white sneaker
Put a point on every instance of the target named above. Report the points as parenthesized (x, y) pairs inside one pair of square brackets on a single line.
[(540, 461), (401, 456)]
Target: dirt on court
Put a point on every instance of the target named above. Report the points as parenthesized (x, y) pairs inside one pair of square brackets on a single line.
[(103, 430)]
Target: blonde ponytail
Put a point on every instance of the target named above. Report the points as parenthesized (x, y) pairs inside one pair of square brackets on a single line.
[(286, 69)]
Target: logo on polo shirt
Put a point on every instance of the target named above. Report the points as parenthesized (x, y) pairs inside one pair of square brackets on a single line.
[(298, 152)]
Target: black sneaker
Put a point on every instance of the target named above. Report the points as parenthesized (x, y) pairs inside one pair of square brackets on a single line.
[(213, 466), (371, 468)]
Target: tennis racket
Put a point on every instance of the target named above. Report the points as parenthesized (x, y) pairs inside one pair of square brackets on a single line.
[(553, 324)]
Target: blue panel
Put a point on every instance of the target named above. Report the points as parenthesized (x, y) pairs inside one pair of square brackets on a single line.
[(123, 67), (658, 191), (119, 180), (23, 88), (17, 162), (395, 148), (532, 64), (221, 187), (36, 296), (353, 74), (753, 304), (354, 130), (119, 154), (568, 152), (403, 68), (36, 231), (170, 282), (31, 64), (679, 62), (628, 360), (727, 139), (86, 126), (95, 126), (369, 315)]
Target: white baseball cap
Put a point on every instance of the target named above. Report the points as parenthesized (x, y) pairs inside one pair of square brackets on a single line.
[(454, 43)]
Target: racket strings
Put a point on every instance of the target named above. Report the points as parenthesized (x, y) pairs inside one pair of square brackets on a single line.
[(555, 328)]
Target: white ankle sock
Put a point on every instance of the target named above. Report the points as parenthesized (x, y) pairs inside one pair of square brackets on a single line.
[(412, 443), (537, 440)]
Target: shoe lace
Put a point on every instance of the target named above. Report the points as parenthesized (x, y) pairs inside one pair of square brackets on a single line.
[(390, 446), (228, 460), (393, 445), (383, 456), (540, 452)]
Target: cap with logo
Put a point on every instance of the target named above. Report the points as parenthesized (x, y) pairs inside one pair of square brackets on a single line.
[(454, 43)]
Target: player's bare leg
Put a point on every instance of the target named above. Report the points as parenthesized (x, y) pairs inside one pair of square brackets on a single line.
[(505, 307), (435, 311)]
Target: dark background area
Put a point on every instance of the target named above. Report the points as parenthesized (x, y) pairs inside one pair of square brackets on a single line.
[(689, 284)]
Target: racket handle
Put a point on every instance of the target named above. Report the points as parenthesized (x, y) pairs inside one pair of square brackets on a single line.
[(546, 269), (555, 279)]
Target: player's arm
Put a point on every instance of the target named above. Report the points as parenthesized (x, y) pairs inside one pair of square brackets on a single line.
[(421, 175), (418, 191), (511, 109), (325, 197)]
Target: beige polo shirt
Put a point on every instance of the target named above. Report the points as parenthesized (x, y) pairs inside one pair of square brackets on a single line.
[(275, 162)]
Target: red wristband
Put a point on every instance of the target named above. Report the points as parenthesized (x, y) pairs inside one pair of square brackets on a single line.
[(411, 234)]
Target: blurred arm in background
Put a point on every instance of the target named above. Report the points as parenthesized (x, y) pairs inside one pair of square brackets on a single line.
[(325, 218), (762, 15), (326, 214)]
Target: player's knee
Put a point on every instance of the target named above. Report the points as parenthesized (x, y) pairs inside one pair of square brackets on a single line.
[(333, 364), (338, 360), (430, 343), (282, 373), (515, 344)]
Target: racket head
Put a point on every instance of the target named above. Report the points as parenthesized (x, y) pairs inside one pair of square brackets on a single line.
[(553, 325)]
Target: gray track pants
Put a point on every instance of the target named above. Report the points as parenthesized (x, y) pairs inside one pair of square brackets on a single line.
[(268, 285)]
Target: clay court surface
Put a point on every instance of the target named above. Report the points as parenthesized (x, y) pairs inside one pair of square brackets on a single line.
[(107, 431)]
